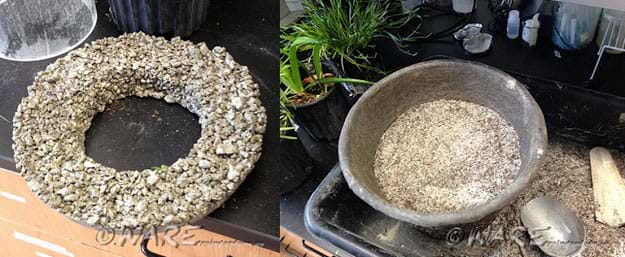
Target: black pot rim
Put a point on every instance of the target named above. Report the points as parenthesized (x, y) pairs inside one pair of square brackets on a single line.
[(318, 100)]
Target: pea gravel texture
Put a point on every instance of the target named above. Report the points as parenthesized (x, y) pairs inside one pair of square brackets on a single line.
[(50, 124), (446, 155)]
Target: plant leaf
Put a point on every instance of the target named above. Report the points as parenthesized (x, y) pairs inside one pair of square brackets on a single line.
[(296, 78)]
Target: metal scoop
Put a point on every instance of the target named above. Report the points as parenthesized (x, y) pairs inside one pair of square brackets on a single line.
[(555, 229)]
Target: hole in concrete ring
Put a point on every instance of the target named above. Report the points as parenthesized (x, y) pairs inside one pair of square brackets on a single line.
[(136, 133)]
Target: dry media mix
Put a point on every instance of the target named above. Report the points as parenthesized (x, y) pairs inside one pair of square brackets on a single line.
[(446, 155)]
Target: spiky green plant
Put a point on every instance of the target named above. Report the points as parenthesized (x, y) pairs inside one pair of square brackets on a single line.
[(286, 117), (291, 67), (346, 29), (291, 77)]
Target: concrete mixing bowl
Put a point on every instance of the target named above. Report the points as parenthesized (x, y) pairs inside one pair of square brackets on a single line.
[(430, 81)]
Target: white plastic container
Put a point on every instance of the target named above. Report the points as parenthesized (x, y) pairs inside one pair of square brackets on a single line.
[(514, 23), (37, 30), (530, 30), (462, 6), (574, 25)]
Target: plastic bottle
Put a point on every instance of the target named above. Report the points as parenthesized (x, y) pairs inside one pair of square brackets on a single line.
[(513, 24), (530, 30), (462, 6)]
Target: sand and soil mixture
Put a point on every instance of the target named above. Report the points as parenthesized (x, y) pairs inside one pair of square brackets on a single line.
[(564, 175), (446, 155)]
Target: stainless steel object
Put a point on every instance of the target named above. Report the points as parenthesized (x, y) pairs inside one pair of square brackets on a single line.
[(425, 82), (555, 229)]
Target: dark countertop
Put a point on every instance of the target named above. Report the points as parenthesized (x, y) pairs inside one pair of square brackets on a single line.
[(292, 203), (573, 67), (540, 62), (248, 30)]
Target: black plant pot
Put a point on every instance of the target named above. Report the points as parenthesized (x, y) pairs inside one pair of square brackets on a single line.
[(323, 119), (352, 91), (177, 18), (353, 71), (295, 163)]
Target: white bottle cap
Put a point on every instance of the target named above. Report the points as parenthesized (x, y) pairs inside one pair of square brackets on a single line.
[(534, 22), (513, 13)]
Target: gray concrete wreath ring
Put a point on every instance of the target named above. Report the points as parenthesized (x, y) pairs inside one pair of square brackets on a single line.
[(50, 124)]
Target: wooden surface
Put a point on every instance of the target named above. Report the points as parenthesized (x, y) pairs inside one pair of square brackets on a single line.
[(18, 205), (292, 245), (608, 188), (20, 241)]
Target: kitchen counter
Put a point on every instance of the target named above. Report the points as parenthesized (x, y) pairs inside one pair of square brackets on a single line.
[(248, 30), (558, 80)]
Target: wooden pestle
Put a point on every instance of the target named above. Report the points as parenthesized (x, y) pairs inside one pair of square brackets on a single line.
[(608, 188)]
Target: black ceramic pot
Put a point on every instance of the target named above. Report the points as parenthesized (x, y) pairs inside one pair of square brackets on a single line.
[(353, 91), (323, 119), (349, 91), (177, 18)]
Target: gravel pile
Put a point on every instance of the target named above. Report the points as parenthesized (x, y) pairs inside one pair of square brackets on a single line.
[(50, 124), (446, 155)]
